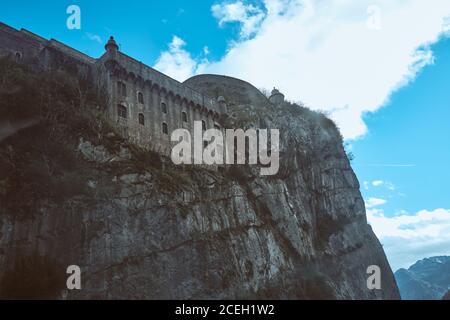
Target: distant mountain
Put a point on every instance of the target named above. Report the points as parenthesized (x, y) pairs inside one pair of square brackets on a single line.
[(427, 279), (447, 296)]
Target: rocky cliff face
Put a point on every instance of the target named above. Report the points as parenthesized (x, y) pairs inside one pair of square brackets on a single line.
[(141, 228)]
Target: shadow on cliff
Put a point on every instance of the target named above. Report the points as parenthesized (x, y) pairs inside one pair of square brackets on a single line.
[(33, 277)]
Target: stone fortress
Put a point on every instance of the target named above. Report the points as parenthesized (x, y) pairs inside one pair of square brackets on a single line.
[(145, 105)]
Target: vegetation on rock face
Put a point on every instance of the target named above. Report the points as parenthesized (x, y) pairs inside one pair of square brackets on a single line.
[(45, 115), (42, 124), (42, 116), (143, 208)]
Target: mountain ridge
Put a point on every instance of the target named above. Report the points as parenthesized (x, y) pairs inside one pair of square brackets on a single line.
[(426, 279)]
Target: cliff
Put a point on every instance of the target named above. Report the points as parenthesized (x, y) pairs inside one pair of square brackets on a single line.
[(73, 192)]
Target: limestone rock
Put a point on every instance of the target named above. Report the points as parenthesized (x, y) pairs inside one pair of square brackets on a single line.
[(148, 232)]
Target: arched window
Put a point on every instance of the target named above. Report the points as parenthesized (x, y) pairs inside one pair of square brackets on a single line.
[(18, 56), (184, 117), (204, 125), (163, 107), (122, 111), (121, 89), (140, 98), (216, 126), (165, 128), (141, 119)]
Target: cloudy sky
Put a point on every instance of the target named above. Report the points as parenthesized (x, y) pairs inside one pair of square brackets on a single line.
[(379, 68)]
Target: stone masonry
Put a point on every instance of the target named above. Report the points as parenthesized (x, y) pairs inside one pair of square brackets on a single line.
[(144, 105)]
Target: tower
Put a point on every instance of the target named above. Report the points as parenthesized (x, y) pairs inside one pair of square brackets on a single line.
[(222, 105), (277, 97), (111, 47)]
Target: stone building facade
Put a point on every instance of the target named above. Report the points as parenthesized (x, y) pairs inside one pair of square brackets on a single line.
[(144, 105)]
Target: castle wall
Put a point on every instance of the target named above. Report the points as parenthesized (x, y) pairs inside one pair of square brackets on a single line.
[(27, 47), (21, 45), (137, 68), (150, 135), (156, 87)]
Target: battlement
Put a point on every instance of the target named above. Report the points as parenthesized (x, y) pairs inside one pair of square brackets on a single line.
[(145, 105), (33, 35), (71, 51), (142, 72), (19, 43)]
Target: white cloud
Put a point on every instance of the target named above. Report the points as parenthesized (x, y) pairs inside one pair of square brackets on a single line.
[(377, 183), (177, 62), (323, 53), (327, 54), (248, 15), (390, 185), (408, 238), (94, 37), (374, 202), (387, 184)]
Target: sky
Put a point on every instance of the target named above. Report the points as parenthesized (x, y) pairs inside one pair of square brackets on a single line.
[(379, 68)]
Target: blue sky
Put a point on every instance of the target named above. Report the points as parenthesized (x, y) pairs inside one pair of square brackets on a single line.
[(412, 129), (382, 75), (143, 28)]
